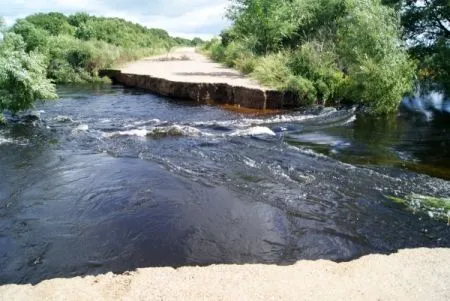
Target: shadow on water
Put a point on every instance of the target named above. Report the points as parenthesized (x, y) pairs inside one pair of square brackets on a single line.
[(114, 181), (403, 141)]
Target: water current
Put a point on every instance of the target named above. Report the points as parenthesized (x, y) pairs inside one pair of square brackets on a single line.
[(113, 179)]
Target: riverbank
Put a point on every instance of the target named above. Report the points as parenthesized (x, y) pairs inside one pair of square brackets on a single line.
[(418, 274), (187, 74)]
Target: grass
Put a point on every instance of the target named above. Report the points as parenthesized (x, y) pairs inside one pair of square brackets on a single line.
[(435, 207)]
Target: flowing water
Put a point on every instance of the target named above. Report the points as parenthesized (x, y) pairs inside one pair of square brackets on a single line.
[(111, 179)]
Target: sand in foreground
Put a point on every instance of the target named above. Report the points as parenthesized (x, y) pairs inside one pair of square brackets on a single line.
[(419, 274)]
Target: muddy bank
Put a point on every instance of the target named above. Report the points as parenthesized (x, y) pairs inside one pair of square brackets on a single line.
[(419, 274)]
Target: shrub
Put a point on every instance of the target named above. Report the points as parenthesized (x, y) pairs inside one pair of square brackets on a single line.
[(76, 47), (272, 70), (324, 50), (216, 50), (303, 87), (35, 38), (247, 64), (22, 76)]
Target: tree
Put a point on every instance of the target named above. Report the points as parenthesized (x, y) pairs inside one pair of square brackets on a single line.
[(84, 32), (197, 42), (54, 23), (35, 38), (264, 23), (22, 76), (426, 26), (76, 47), (322, 50), (78, 19)]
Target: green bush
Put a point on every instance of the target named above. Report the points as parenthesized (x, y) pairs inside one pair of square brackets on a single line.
[(35, 38), (46, 48), (216, 50), (426, 28), (326, 51), (22, 76), (247, 64), (318, 62), (273, 71), (303, 87), (78, 46)]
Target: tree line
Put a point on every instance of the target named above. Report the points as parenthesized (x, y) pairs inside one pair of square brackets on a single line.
[(43, 49), (331, 52)]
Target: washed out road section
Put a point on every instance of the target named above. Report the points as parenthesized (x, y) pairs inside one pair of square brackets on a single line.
[(187, 74)]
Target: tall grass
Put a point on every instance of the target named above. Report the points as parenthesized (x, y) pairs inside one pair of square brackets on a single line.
[(71, 60)]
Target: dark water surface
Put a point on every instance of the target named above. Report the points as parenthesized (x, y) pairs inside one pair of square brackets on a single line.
[(112, 179)]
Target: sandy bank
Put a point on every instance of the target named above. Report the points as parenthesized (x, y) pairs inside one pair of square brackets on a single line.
[(419, 274)]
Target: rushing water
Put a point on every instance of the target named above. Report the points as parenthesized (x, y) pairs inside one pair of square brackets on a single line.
[(111, 179)]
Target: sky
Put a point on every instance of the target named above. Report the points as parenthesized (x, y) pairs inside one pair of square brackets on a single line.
[(183, 18)]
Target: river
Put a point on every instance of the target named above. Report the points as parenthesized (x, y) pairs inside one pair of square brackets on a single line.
[(113, 179)]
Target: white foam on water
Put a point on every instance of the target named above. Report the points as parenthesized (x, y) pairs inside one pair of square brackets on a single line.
[(141, 123), (159, 131), (253, 131), (250, 162), (278, 171), (136, 132), (351, 120), (248, 122), (81, 128), (63, 119), (4, 140), (306, 151), (176, 130), (242, 127)]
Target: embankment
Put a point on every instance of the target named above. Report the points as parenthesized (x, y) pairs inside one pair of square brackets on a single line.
[(187, 74)]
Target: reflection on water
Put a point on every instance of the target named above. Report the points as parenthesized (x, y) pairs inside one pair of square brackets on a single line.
[(111, 179), (392, 141)]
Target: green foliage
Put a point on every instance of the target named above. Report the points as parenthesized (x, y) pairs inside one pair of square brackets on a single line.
[(22, 76), (426, 27), (272, 70), (216, 50), (269, 21), (68, 50), (36, 38), (78, 46), (380, 70), (318, 62), (53, 23), (78, 19), (323, 50), (196, 42), (438, 208), (71, 60)]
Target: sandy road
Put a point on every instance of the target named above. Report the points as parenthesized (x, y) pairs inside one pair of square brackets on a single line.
[(187, 65)]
